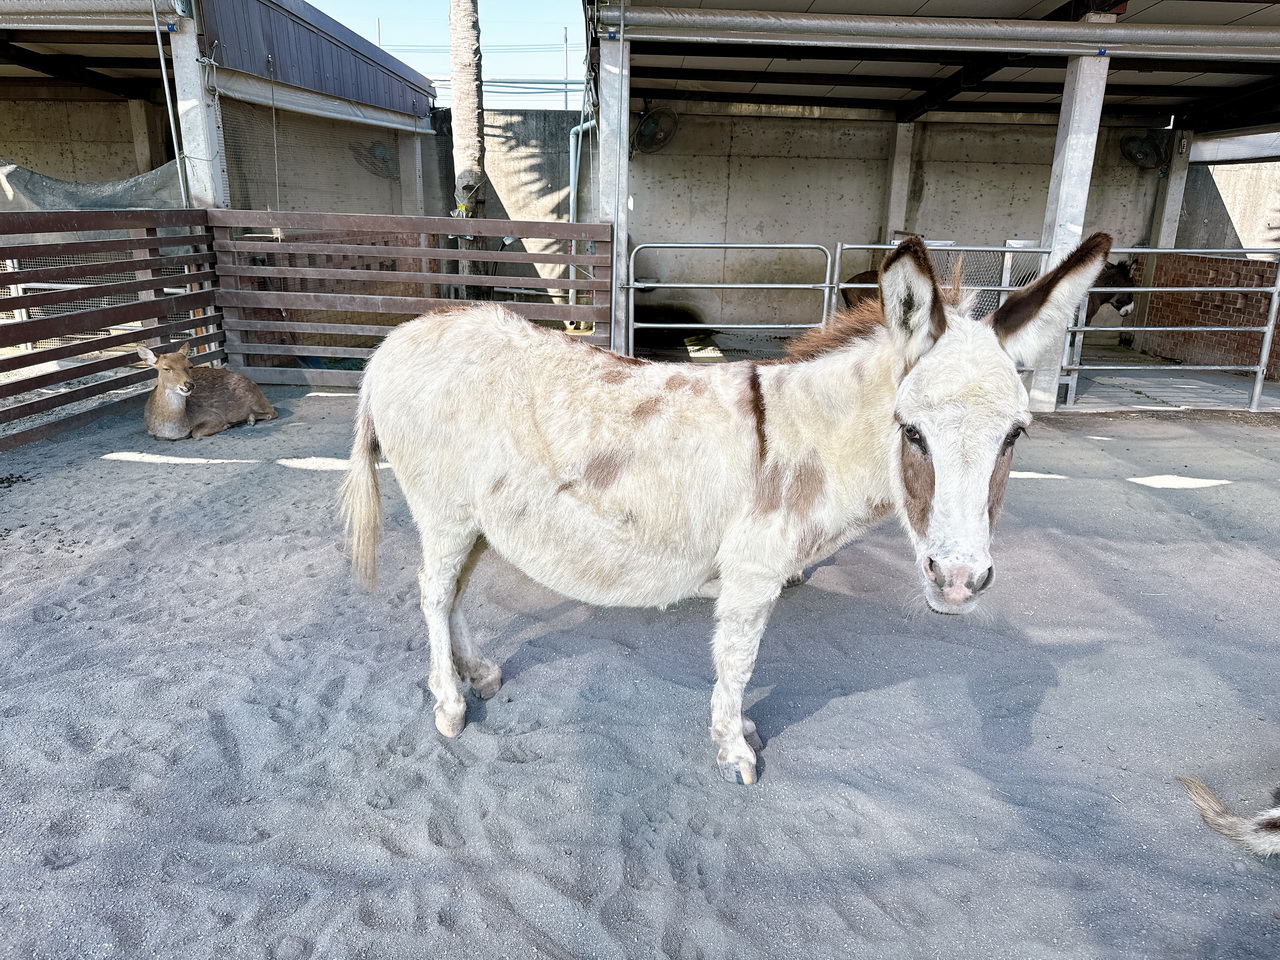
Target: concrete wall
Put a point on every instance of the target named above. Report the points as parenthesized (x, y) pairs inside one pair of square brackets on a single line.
[(81, 141), (1231, 205), (985, 184), (756, 180), (783, 179)]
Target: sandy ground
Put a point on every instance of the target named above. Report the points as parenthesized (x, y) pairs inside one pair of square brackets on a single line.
[(213, 745)]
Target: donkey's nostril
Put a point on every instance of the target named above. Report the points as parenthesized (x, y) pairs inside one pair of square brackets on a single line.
[(931, 569), (986, 580)]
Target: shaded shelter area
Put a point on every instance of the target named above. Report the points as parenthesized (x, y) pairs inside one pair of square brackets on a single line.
[(1016, 123), (214, 745)]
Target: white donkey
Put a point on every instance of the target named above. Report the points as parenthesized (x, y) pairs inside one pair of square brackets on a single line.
[(620, 482)]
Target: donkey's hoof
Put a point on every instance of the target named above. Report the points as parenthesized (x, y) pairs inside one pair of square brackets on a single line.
[(450, 724), (736, 768), (741, 772), (486, 684)]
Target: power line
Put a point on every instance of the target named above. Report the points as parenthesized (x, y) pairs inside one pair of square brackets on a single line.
[(485, 48)]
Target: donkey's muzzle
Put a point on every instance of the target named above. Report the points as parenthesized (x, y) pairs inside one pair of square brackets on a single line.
[(957, 584)]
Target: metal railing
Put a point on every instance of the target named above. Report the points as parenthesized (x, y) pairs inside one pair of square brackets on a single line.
[(991, 272), (824, 286), (1073, 361), (1014, 274)]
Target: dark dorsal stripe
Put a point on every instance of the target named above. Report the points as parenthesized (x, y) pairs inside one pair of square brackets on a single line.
[(755, 400)]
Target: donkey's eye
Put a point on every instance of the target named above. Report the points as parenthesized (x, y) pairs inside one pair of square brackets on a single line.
[(914, 437), (1012, 437)]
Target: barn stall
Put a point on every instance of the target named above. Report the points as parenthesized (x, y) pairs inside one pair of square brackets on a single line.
[(727, 144)]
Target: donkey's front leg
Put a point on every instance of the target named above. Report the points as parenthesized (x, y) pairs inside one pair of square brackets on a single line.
[(740, 622)]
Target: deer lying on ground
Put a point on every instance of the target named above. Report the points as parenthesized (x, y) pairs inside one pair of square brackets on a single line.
[(1258, 834), (191, 401)]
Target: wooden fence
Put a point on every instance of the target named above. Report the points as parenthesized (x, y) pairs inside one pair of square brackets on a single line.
[(307, 296), (85, 287), (287, 298)]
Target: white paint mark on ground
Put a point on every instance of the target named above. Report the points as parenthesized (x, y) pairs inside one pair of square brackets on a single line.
[(321, 463), (1168, 481), (134, 456)]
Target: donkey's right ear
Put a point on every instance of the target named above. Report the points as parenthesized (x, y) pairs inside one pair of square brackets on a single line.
[(911, 300), (146, 354)]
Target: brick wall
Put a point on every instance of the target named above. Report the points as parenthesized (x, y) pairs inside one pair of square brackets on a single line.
[(1211, 309)]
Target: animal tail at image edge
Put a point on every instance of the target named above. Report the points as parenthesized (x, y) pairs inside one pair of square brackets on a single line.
[(1259, 834)]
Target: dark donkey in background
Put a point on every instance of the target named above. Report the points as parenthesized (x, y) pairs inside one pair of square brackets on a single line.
[(1113, 275)]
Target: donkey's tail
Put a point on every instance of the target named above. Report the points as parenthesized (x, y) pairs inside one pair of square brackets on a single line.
[(361, 501), (1260, 834)]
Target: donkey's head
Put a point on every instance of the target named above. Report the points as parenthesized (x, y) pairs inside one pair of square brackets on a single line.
[(962, 405), (1114, 275), (173, 369)]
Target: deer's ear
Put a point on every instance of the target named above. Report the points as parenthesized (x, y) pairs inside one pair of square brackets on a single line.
[(185, 349), (146, 354), (1034, 315), (911, 300)]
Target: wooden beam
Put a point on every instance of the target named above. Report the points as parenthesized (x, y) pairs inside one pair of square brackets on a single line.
[(73, 69)]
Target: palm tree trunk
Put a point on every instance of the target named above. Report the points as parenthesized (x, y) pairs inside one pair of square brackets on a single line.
[(470, 184)]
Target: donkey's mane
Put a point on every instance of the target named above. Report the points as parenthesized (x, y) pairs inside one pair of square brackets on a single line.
[(850, 324), (847, 325)]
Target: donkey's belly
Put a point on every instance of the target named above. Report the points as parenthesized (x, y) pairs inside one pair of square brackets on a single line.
[(608, 564)]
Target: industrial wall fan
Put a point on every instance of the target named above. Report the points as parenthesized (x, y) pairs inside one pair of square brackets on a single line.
[(1146, 150), (655, 130)]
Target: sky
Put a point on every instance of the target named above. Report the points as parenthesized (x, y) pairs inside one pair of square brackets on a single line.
[(519, 40)]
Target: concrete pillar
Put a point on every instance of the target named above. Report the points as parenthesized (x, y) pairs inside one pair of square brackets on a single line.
[(147, 150), (615, 197), (199, 122), (1165, 220), (1069, 194), (899, 181), (1168, 214)]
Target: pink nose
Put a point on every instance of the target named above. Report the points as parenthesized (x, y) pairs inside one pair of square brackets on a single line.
[(959, 583)]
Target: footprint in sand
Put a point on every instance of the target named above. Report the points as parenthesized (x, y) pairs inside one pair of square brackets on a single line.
[(56, 859), (443, 832), (292, 948)]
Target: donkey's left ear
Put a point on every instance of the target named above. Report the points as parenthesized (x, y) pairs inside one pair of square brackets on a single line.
[(911, 300), (1036, 314)]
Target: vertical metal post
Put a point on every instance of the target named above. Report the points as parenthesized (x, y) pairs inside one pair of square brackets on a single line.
[(615, 195), (1264, 353), (1069, 195), (411, 196)]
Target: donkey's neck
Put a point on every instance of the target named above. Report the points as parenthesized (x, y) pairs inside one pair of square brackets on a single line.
[(838, 406), (846, 392)]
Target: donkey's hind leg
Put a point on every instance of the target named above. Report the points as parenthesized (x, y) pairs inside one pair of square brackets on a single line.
[(444, 553), (483, 674)]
